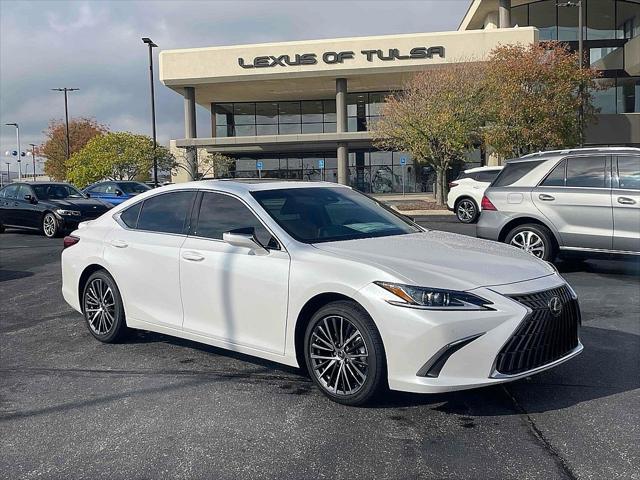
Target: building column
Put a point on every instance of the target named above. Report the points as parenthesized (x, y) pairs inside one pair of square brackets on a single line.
[(505, 14), (190, 130), (341, 127)]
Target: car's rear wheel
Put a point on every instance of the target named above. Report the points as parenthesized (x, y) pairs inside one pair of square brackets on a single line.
[(50, 226), (344, 353), (102, 308), (534, 239), (467, 211)]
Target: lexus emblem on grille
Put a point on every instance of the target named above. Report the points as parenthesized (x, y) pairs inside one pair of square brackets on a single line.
[(555, 305)]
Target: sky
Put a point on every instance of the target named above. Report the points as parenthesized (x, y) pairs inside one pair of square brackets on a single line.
[(96, 46)]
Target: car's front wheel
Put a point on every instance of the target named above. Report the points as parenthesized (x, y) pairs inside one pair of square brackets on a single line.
[(344, 353), (534, 239), (50, 226), (467, 211), (103, 309)]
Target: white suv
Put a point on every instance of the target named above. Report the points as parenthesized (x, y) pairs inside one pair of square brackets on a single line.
[(466, 191)]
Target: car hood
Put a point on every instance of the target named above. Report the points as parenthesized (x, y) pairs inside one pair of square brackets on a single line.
[(84, 205), (443, 260)]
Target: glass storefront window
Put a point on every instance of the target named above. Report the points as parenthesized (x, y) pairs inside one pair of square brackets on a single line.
[(244, 113), (627, 19), (267, 129), (266, 113), (329, 107), (605, 99), (356, 104), (329, 128), (606, 58), (289, 112), (376, 101), (543, 16), (290, 128), (520, 16), (245, 130), (628, 95), (224, 131), (380, 157), (312, 128), (312, 111), (601, 19), (568, 23), (223, 113)]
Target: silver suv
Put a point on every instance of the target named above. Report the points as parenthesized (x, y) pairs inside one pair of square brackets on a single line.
[(585, 200)]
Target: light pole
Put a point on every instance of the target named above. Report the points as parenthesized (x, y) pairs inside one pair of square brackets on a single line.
[(578, 4), (8, 173), (66, 114), (33, 157), (152, 45), (19, 152)]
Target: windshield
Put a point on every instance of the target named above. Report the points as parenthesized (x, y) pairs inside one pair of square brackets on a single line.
[(133, 188), (326, 214), (56, 191)]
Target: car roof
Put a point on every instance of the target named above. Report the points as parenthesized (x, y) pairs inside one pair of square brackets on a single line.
[(485, 168), (567, 151), (240, 186), (42, 183)]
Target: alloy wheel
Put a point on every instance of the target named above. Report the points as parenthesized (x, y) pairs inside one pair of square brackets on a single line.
[(49, 225), (100, 306), (339, 355), (530, 242), (466, 210)]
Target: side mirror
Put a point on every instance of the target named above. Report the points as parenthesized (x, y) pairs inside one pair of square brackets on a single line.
[(30, 199), (119, 192), (246, 240), (87, 194)]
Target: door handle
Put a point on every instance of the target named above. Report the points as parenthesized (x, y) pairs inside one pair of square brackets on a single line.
[(119, 244), (192, 256), (546, 198), (626, 201)]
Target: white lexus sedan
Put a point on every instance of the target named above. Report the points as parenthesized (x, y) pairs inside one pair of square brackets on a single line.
[(320, 276)]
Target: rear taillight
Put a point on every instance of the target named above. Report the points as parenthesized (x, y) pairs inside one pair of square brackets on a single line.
[(69, 241), (486, 204), (452, 184)]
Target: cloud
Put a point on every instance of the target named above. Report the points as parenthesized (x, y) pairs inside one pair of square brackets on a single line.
[(96, 46)]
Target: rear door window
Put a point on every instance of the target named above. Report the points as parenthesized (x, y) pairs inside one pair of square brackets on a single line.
[(166, 213), (513, 172), (557, 176), (629, 172), (586, 172), (10, 191)]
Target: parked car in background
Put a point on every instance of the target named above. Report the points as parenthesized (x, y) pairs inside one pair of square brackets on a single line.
[(49, 207), (581, 200), (319, 275), (116, 192), (466, 191)]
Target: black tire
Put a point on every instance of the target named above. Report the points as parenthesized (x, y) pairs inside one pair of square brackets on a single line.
[(108, 325), (517, 236), (467, 210), (50, 226), (366, 343)]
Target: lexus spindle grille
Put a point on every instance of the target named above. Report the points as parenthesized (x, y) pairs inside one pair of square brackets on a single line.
[(547, 334)]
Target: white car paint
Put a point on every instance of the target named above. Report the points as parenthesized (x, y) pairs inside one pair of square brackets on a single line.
[(238, 300), (470, 187)]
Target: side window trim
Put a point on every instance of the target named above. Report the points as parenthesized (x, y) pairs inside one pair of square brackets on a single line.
[(551, 170), (196, 216)]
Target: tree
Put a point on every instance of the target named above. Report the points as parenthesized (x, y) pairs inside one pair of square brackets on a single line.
[(216, 164), (436, 118), (534, 94), (117, 156), (81, 130)]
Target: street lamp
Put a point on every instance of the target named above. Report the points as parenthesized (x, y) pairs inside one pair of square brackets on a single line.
[(33, 157), (66, 114), (152, 45), (8, 173), (18, 152), (578, 4)]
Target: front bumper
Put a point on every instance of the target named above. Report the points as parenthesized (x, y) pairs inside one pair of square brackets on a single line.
[(412, 338)]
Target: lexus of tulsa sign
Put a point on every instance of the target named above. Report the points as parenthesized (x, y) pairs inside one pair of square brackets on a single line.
[(340, 57)]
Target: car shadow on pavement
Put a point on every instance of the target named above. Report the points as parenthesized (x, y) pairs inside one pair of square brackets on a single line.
[(613, 266), (607, 366), (6, 275)]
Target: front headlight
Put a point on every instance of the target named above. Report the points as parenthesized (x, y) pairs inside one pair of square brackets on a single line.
[(74, 213), (433, 298)]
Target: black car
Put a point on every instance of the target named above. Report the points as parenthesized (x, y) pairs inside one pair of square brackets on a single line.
[(49, 207)]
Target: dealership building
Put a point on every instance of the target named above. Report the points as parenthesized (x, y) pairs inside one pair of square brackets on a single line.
[(302, 110)]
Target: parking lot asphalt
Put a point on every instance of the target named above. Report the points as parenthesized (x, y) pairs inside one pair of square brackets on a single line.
[(159, 407)]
